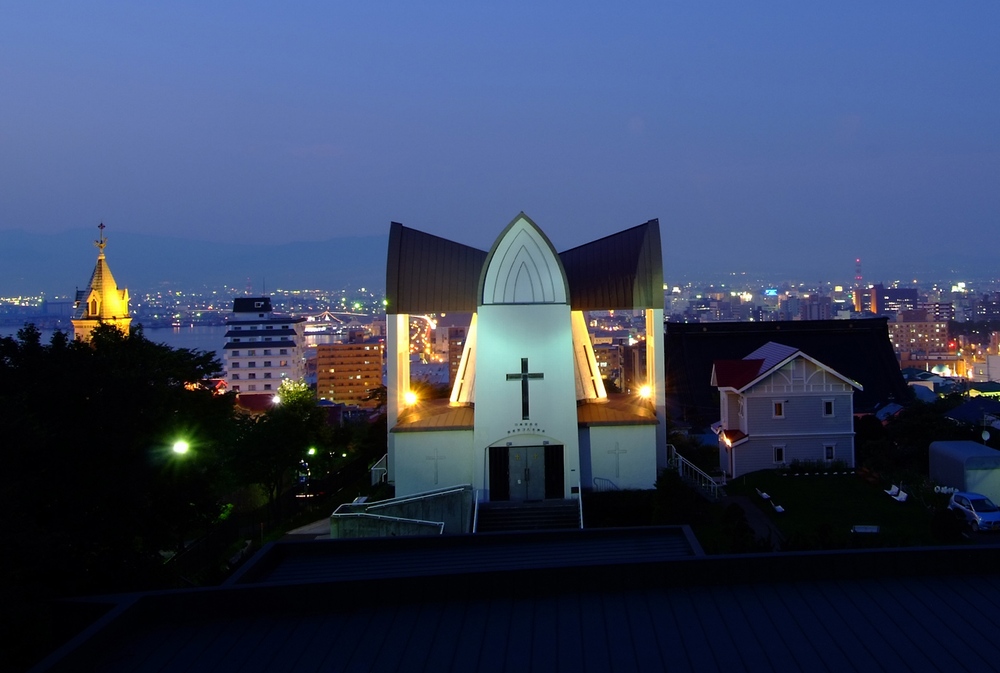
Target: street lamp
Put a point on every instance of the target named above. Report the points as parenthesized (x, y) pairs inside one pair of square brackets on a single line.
[(181, 447)]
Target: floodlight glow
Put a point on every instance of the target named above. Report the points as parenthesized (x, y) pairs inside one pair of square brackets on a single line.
[(181, 447), (410, 397), (276, 399), (311, 451), (646, 392)]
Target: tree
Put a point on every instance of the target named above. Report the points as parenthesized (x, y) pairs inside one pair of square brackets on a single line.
[(273, 445), (89, 486)]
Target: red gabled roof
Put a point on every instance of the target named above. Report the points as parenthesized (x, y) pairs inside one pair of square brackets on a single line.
[(735, 373), (255, 403), (734, 437)]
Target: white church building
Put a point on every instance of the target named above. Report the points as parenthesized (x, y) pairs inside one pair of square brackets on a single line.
[(528, 418)]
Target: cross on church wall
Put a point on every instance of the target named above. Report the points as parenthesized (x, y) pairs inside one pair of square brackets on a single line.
[(524, 376), (618, 456), (437, 458)]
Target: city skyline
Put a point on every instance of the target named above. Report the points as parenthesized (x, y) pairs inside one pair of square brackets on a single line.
[(790, 138)]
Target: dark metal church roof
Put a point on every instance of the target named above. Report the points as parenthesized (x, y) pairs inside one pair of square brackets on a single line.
[(430, 274), (620, 271)]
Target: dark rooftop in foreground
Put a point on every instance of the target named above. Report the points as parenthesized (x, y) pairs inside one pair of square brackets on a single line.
[(604, 600)]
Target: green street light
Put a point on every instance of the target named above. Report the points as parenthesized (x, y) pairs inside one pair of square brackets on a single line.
[(181, 446), (312, 451)]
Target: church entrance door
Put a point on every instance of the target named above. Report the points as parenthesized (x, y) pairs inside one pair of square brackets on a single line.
[(526, 473)]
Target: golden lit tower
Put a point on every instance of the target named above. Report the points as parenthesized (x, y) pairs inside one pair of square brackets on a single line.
[(101, 302)]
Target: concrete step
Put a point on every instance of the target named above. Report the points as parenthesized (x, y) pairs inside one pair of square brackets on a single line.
[(528, 516)]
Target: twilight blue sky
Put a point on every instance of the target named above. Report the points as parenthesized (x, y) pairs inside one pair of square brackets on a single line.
[(767, 137)]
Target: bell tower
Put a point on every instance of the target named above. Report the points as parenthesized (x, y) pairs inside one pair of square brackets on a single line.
[(101, 302)]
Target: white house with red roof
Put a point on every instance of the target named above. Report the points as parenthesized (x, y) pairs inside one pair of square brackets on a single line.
[(779, 405)]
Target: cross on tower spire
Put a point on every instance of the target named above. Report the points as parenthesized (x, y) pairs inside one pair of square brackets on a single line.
[(523, 376), (101, 242)]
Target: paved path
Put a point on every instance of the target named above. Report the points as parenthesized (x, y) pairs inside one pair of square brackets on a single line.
[(761, 524)]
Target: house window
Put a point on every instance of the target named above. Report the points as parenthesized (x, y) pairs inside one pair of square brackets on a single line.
[(779, 454), (236, 376), (251, 364), (236, 389), (235, 354), (252, 387), (778, 409), (267, 363), (267, 386), (237, 327), (284, 363), (267, 351), (251, 353), (740, 404), (267, 338), (269, 327), (283, 351), (267, 375), (252, 375), (236, 341), (828, 451), (236, 365), (828, 408)]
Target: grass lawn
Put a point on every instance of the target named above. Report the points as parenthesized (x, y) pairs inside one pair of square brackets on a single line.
[(820, 511)]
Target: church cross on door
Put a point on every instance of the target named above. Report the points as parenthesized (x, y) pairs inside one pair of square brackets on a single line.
[(523, 376)]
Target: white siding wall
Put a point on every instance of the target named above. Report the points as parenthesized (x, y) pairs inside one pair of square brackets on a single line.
[(625, 455), (417, 452), (803, 389), (758, 454)]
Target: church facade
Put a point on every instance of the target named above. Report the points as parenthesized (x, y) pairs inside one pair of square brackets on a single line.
[(528, 418)]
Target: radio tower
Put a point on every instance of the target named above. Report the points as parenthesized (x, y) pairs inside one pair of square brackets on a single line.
[(858, 279)]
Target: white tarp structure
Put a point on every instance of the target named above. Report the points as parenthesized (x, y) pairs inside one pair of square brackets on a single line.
[(967, 466)]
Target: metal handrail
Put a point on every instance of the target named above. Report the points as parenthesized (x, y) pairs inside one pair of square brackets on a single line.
[(383, 517), (579, 498), (602, 485), (475, 511), (417, 496), (381, 465), (685, 468)]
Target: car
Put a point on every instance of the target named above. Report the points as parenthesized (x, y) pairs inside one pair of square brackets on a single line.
[(976, 509)]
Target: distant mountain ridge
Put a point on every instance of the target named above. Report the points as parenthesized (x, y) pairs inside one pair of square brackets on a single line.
[(57, 264)]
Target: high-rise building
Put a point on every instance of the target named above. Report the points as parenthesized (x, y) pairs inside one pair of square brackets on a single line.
[(262, 349), (348, 373), (102, 302)]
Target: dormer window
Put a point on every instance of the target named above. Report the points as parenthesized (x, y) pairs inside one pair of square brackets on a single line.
[(93, 307)]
